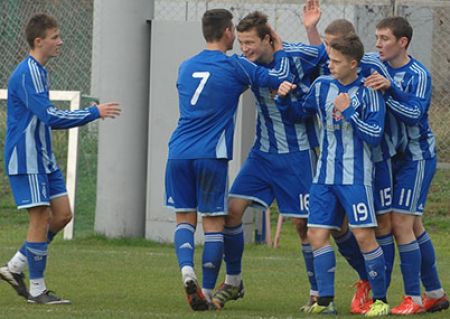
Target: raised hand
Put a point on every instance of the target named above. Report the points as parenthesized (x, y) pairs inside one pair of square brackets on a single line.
[(285, 88), (276, 40), (109, 110), (311, 13)]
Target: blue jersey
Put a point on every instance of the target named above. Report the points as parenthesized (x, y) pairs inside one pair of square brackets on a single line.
[(409, 99), (346, 139), (209, 85), (275, 133), (369, 64), (30, 118)]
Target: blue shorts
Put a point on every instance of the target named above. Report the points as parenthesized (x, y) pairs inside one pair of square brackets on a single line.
[(328, 204), (199, 185), (382, 187), (284, 177), (32, 190), (412, 180)]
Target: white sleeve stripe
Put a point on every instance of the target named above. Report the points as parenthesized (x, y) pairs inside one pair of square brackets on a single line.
[(422, 82), (284, 69), (37, 77), (33, 78), (408, 112), (79, 115), (372, 130)]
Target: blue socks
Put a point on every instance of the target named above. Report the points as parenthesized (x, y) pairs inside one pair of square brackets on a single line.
[(309, 263), (348, 247), (37, 258), (50, 236), (428, 271), (325, 267), (375, 266), (233, 248), (184, 244), (387, 244), (212, 258), (410, 261)]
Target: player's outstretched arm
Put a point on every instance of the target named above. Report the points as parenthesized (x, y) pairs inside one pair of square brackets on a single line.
[(311, 17)]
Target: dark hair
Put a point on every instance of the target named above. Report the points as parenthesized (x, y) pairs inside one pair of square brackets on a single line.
[(37, 27), (340, 27), (214, 23), (255, 20), (399, 26), (349, 45)]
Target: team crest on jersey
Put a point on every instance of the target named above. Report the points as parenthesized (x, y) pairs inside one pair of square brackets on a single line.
[(355, 102)]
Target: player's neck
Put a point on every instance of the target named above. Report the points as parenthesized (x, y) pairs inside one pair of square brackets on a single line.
[(401, 60), (348, 79), (41, 58), (266, 58), (216, 46)]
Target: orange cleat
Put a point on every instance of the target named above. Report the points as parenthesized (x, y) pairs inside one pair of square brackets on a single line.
[(435, 304), (361, 301), (408, 307)]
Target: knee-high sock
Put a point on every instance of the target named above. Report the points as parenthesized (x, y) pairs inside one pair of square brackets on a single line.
[(212, 258)]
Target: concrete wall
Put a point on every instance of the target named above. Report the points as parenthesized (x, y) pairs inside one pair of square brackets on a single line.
[(121, 46)]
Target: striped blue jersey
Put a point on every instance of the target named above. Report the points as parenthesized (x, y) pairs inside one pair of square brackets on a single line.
[(209, 85), (30, 119), (409, 101), (275, 133), (369, 64), (346, 139)]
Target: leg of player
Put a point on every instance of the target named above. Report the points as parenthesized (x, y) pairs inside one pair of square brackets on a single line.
[(349, 249), (434, 298), (307, 252), (410, 261), (232, 288), (374, 259), (385, 239), (36, 249), (325, 266), (212, 253), (184, 249)]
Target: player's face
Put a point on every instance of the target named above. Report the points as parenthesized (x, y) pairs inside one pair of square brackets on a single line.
[(388, 45), (254, 48), (51, 44), (341, 66), (327, 40)]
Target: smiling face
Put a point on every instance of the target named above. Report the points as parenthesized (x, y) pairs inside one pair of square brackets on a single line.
[(254, 48), (389, 47)]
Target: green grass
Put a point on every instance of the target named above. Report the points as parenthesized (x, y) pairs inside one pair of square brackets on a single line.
[(140, 279)]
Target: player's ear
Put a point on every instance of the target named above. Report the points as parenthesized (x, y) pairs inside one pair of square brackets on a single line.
[(403, 42)]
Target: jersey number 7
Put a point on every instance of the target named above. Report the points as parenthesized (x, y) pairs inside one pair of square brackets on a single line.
[(204, 77)]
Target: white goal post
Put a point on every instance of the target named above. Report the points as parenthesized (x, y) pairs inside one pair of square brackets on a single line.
[(72, 150)]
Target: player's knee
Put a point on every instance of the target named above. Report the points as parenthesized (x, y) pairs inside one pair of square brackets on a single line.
[(384, 225)]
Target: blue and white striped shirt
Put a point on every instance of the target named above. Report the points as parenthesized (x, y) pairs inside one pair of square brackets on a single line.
[(30, 118), (209, 85), (275, 133), (346, 139), (409, 100)]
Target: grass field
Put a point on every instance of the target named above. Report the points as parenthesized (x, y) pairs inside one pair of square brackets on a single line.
[(140, 279)]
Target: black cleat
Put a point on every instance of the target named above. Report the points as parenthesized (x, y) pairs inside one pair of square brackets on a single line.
[(195, 296), (17, 281), (48, 298)]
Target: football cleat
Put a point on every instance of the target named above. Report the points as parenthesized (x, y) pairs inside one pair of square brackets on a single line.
[(48, 298), (361, 301), (377, 309), (435, 304), (195, 296), (323, 310), (407, 307), (312, 300), (226, 293), (17, 281)]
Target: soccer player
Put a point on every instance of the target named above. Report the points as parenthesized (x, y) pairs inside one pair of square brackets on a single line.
[(282, 160), (409, 98), (382, 155), (352, 118), (36, 181), (209, 85)]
